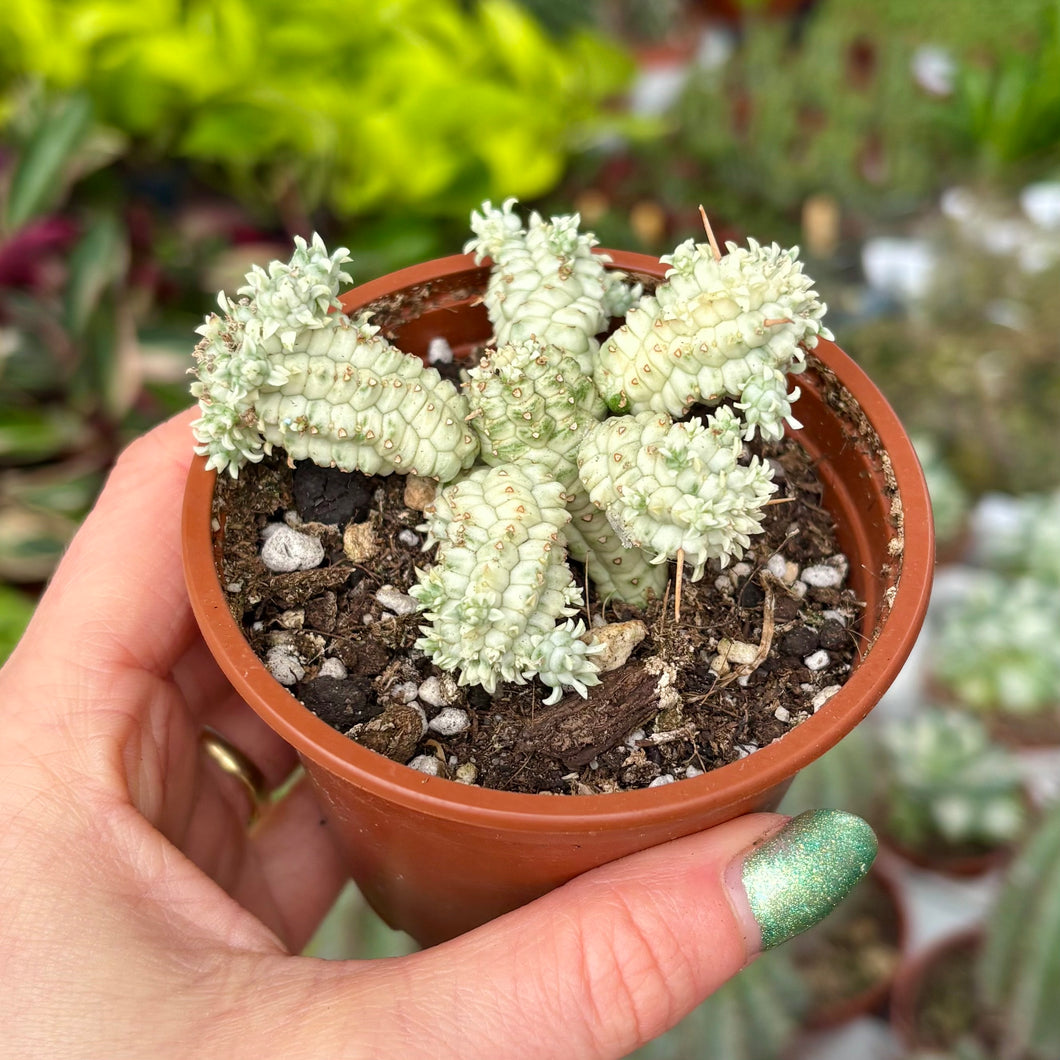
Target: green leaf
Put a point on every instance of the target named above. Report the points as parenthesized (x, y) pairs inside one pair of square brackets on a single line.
[(39, 179), (29, 435), (16, 610), (98, 259)]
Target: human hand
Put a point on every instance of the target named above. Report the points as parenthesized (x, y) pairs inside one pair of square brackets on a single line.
[(140, 917)]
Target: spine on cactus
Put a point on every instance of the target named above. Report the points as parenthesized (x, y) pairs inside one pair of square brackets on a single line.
[(282, 365), (533, 403), (500, 596), (732, 325), (676, 488), (1019, 971), (546, 283)]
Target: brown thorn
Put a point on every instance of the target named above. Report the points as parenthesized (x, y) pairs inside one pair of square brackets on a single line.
[(772, 323), (710, 233)]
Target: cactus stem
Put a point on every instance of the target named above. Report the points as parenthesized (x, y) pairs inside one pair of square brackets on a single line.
[(710, 233)]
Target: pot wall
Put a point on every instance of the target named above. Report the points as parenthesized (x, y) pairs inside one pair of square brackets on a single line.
[(434, 857)]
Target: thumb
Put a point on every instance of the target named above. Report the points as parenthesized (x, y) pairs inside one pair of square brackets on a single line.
[(592, 970)]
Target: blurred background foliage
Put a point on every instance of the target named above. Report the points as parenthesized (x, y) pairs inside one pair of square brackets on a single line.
[(150, 152)]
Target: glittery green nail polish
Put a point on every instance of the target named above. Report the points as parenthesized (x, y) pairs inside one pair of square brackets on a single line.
[(798, 876)]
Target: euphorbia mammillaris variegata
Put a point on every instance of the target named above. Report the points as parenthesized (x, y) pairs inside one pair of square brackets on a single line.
[(532, 462)]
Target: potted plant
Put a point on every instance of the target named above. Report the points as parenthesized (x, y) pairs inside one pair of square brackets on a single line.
[(435, 855), (996, 654), (954, 800), (991, 990)]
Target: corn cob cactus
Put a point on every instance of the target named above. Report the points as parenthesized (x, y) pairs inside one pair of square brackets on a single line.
[(732, 325), (500, 594), (534, 403), (676, 488), (546, 284), (283, 366)]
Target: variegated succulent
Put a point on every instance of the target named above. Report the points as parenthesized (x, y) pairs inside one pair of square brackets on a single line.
[(282, 366)]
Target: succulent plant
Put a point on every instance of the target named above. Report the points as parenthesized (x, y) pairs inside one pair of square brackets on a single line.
[(949, 781), (500, 589), (1019, 965), (1030, 543), (997, 649), (546, 284), (283, 366), (672, 488), (732, 325)]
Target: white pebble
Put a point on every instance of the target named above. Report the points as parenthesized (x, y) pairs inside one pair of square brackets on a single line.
[(409, 537), (693, 771), (437, 691), (287, 550), (819, 660), (439, 351), (405, 692), (782, 714), (395, 600), (745, 749), (742, 570), (450, 721), (662, 781), (283, 662), (777, 566), (822, 576), (723, 583), (332, 667), (824, 696), (835, 616), (427, 764)]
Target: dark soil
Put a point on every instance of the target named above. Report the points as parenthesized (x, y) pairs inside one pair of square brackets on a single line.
[(631, 732), (944, 1008)]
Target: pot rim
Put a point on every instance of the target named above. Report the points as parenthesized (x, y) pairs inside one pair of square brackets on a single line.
[(736, 782)]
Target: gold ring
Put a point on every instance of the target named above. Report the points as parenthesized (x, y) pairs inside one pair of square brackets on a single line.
[(236, 764)]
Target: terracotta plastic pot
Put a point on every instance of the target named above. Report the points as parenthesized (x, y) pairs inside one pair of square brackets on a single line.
[(943, 973), (435, 857)]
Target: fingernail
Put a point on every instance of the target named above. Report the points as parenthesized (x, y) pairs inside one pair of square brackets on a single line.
[(801, 873)]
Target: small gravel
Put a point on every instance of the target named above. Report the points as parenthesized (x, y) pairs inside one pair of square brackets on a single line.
[(286, 550)]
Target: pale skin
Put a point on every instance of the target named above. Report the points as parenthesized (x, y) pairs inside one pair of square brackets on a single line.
[(139, 917)]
